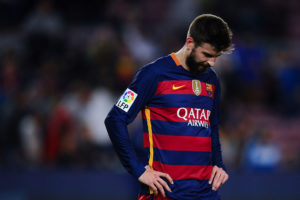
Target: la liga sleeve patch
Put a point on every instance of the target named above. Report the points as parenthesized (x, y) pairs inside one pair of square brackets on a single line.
[(126, 100)]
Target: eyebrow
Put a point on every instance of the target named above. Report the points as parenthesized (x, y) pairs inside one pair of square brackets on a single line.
[(210, 55)]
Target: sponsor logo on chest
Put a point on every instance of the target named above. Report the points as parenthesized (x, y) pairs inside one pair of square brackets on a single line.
[(194, 116)]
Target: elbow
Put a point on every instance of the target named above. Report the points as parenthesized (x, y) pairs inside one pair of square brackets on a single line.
[(112, 121), (109, 118), (107, 121)]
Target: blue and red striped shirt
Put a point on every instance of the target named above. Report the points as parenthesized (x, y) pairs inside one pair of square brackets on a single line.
[(180, 123)]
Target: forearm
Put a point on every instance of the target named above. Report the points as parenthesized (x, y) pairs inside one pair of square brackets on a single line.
[(118, 133), (216, 148)]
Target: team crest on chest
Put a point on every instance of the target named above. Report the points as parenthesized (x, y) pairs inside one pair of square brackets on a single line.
[(196, 87), (209, 90)]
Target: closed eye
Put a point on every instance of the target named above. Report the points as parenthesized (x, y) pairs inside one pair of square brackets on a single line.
[(207, 55), (210, 55)]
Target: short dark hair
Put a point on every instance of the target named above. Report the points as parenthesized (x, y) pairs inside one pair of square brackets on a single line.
[(208, 28)]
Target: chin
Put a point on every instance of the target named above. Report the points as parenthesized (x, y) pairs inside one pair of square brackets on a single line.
[(202, 69)]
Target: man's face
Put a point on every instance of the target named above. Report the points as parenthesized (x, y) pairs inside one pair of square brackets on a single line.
[(201, 58)]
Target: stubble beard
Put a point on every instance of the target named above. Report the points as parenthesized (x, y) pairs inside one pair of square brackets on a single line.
[(195, 67)]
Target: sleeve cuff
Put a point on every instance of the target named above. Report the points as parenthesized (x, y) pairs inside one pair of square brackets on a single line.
[(140, 169)]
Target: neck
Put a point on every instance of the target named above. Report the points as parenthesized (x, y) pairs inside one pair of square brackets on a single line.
[(181, 55)]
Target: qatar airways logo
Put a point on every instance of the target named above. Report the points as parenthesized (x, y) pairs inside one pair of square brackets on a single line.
[(194, 116)]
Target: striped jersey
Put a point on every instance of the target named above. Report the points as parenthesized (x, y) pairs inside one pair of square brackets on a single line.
[(180, 113)]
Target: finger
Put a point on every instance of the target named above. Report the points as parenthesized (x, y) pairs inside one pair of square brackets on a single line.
[(213, 173), (222, 179), (164, 184), (225, 178), (167, 176), (217, 181), (160, 188), (152, 186)]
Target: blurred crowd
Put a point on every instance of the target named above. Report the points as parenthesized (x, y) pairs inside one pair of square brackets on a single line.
[(63, 65)]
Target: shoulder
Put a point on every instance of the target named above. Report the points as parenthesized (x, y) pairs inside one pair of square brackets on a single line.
[(213, 75), (157, 66), (151, 71)]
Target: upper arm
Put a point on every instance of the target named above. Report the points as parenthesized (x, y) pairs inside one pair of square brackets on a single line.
[(136, 96), (215, 115)]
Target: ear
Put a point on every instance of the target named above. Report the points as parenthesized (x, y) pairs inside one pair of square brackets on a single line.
[(189, 43)]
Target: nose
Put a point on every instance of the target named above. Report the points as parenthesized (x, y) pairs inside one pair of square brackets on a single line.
[(211, 61)]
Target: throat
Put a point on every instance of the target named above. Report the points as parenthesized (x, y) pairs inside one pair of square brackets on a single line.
[(180, 56)]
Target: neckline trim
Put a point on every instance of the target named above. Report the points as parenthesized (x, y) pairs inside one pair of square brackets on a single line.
[(173, 55)]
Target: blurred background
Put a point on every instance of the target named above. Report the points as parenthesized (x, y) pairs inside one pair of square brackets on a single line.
[(63, 64)]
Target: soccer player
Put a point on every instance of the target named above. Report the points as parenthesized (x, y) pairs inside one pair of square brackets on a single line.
[(179, 97)]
